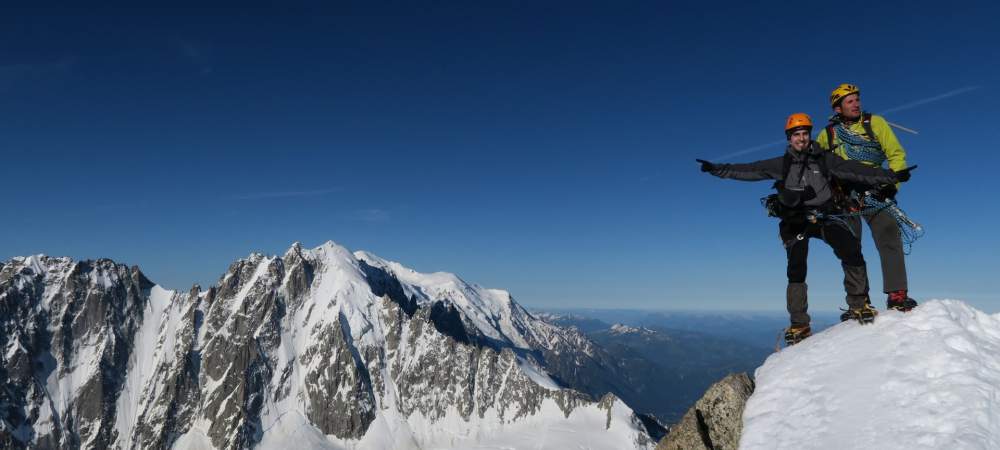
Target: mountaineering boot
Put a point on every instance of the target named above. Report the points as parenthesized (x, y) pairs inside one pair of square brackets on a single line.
[(864, 314), (899, 301), (796, 333)]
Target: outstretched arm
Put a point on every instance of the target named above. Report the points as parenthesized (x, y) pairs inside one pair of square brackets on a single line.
[(890, 144), (894, 152), (856, 172), (767, 169)]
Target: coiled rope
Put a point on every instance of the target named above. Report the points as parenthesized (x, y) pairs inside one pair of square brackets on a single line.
[(858, 148), (909, 230)]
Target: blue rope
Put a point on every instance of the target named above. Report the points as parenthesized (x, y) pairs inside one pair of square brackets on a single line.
[(858, 148), (909, 230)]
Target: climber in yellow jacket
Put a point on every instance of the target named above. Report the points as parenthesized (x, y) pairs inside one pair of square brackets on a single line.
[(858, 135)]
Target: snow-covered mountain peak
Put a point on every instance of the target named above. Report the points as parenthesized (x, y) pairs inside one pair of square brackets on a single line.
[(339, 263), (927, 379), (621, 329), (492, 311), (435, 282), (39, 264), (330, 251), (36, 263), (332, 348)]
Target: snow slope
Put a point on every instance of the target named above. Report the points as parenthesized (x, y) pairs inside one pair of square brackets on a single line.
[(928, 379), (492, 311)]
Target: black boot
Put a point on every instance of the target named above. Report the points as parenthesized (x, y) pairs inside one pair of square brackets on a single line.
[(899, 301), (797, 333), (864, 314)]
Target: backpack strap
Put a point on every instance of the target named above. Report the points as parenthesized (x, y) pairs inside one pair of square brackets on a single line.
[(866, 121), (786, 166), (829, 136)]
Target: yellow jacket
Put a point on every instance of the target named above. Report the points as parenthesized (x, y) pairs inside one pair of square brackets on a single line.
[(894, 152)]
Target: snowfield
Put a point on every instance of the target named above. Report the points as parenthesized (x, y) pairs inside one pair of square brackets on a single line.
[(928, 379)]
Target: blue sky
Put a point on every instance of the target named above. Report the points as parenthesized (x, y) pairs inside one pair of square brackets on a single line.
[(541, 147)]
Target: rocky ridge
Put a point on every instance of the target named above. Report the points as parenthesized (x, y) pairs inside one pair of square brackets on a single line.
[(349, 350), (715, 422)]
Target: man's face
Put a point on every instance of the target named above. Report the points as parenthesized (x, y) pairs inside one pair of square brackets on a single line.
[(850, 107), (799, 140)]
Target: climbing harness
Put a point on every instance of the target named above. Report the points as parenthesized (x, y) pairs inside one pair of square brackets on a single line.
[(816, 217), (909, 230)]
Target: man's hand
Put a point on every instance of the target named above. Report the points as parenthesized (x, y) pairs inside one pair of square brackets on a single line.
[(706, 166), (884, 192), (903, 175)]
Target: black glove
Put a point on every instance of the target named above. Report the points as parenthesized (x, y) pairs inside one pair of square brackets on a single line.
[(903, 175), (884, 192), (706, 166)]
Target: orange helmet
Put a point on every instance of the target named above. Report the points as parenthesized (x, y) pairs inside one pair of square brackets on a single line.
[(796, 121), (842, 91)]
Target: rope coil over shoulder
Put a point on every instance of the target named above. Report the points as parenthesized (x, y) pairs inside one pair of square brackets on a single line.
[(858, 148)]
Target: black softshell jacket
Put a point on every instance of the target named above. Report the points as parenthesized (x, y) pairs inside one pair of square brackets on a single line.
[(811, 175)]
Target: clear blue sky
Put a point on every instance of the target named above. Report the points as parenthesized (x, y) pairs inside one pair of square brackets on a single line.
[(545, 148)]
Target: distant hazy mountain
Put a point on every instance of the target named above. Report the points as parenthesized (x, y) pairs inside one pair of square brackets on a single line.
[(671, 368), (761, 329)]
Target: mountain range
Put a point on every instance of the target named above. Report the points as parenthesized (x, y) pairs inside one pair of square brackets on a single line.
[(329, 348), (669, 368)]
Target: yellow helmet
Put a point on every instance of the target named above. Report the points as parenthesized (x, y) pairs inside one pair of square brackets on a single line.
[(842, 91), (796, 121)]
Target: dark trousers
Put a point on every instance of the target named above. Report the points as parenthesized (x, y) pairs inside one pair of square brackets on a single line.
[(885, 233), (796, 234)]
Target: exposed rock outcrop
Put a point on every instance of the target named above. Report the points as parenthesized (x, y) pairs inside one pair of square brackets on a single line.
[(716, 420)]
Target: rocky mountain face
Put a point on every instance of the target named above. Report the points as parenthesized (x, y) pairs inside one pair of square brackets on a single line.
[(715, 422), (67, 329), (339, 350)]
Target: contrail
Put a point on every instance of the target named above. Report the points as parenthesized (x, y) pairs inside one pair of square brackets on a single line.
[(753, 149), (931, 99), (903, 107), (266, 195)]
